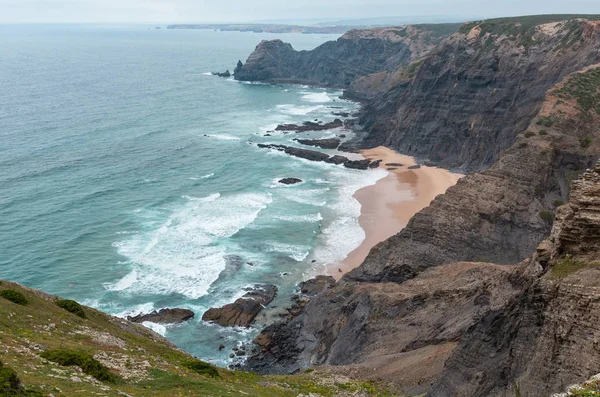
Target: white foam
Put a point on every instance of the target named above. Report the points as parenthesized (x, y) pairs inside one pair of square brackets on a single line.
[(158, 328), (309, 218), (314, 197), (344, 234), (207, 74), (298, 110), (125, 282), (224, 137), (296, 252), (179, 255), (195, 178), (207, 199), (316, 97)]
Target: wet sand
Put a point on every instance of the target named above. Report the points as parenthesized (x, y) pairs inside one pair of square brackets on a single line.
[(388, 205)]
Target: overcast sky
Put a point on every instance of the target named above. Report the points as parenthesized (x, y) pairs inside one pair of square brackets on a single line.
[(167, 11)]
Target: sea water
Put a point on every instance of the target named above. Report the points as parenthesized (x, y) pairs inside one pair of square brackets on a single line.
[(130, 179)]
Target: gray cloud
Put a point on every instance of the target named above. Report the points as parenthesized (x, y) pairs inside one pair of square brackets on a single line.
[(247, 10)]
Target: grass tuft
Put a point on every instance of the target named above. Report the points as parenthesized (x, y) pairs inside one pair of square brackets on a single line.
[(567, 266), (547, 216)]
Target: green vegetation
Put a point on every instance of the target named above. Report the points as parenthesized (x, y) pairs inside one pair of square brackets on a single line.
[(523, 28), (529, 134), (138, 361), (558, 203), (522, 145), (588, 389), (584, 88), (567, 266), (10, 384), (546, 216), (545, 121), (202, 368), (543, 132), (14, 296), (83, 360), (586, 142), (71, 306)]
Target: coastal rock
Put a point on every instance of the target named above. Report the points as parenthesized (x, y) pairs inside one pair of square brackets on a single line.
[(337, 63), (226, 73), (310, 126), (244, 310), (337, 159), (318, 156), (358, 164), (316, 285), (290, 181), (297, 152), (394, 164), (375, 164), (330, 143), (163, 316), (414, 167)]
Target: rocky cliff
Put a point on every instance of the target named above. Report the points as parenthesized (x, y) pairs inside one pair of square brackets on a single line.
[(338, 63), (470, 98), (406, 309)]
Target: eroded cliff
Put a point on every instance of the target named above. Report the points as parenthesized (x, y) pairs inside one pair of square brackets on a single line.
[(338, 63), (414, 299)]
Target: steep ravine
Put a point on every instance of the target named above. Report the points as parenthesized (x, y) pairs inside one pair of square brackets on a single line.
[(418, 294)]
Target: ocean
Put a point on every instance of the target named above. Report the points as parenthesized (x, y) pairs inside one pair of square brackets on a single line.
[(130, 179)]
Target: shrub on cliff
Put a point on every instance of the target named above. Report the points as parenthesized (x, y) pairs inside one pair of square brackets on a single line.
[(202, 368), (547, 216), (88, 364), (14, 296), (10, 384), (71, 306)]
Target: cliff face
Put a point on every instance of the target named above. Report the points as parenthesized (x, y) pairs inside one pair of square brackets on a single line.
[(547, 337), (338, 63), (470, 98), (414, 299)]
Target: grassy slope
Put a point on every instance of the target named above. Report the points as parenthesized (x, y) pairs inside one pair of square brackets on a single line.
[(146, 364)]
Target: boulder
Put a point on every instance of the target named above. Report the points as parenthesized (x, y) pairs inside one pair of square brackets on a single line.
[(243, 311), (337, 159), (414, 167), (358, 164), (375, 164), (163, 316), (310, 126)]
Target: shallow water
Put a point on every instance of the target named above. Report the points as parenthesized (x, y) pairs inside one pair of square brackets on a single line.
[(129, 180)]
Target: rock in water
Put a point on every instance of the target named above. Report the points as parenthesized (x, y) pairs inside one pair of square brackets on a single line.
[(163, 316), (226, 73), (290, 181), (243, 311), (330, 143)]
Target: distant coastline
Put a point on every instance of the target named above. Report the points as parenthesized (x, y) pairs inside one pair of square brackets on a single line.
[(267, 28)]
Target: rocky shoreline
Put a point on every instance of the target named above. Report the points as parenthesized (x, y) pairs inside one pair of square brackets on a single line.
[(473, 285)]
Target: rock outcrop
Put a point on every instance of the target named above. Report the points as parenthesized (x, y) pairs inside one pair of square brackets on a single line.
[(329, 143), (290, 181), (546, 337), (244, 310), (164, 316), (310, 126), (338, 63), (313, 155)]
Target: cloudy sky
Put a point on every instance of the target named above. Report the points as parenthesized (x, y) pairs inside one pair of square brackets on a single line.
[(251, 10)]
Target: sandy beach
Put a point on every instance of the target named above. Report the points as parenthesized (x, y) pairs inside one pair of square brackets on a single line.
[(388, 205)]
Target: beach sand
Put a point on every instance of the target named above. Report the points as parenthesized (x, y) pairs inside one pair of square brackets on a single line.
[(388, 205)]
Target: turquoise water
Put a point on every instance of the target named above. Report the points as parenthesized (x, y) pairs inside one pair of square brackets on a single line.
[(129, 178)]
